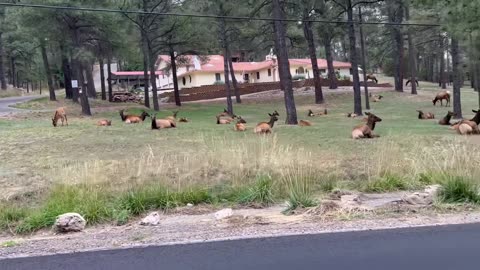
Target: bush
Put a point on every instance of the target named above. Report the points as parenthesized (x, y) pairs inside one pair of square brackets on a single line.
[(260, 192), (460, 190)]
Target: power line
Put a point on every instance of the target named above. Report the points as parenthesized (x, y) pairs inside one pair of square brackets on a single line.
[(168, 14)]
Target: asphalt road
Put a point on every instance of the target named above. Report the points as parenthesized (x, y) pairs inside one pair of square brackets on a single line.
[(6, 102), (438, 248)]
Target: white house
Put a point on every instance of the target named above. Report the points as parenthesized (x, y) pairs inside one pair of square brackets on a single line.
[(195, 71)]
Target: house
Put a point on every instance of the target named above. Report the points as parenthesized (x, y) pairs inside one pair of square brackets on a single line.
[(193, 71)]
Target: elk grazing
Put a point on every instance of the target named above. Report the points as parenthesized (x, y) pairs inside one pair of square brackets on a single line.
[(104, 123), (172, 117), (442, 95), (60, 114), (366, 130), (312, 114), (305, 123), (264, 127), (162, 123), (445, 121), (240, 125), (372, 78), (423, 116), (133, 119)]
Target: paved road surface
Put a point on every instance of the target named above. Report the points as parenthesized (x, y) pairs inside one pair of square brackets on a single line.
[(432, 248), (6, 102)]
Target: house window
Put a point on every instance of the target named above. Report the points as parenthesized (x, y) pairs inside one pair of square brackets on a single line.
[(258, 75), (351, 71), (301, 70), (246, 77), (184, 81), (218, 77), (190, 77), (269, 73)]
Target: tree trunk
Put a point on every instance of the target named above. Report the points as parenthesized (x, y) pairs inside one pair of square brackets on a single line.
[(395, 14), (176, 91), (67, 74), (364, 61), (283, 63), (223, 32), (109, 78), (48, 72), (308, 33), (457, 78), (102, 78), (14, 72), (411, 53), (92, 92), (443, 80), (3, 82), (146, 87), (332, 77), (153, 79), (234, 79), (357, 95)]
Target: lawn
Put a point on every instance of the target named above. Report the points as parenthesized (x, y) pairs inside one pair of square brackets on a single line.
[(111, 173)]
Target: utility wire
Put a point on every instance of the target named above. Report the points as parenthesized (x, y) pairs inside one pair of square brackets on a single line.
[(237, 18)]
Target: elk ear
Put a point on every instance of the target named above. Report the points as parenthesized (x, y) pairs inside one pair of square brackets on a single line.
[(474, 111)]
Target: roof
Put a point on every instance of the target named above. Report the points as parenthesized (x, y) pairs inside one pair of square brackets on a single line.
[(322, 63), (134, 73)]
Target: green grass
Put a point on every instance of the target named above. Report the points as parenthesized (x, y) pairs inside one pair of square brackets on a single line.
[(112, 173), (460, 190)]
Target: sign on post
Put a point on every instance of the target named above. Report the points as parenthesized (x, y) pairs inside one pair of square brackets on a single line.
[(74, 84)]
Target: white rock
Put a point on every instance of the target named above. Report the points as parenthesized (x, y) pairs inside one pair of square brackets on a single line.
[(189, 205), (153, 219), (224, 213), (69, 222)]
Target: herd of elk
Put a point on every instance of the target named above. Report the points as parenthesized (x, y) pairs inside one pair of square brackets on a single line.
[(443, 95), (133, 119), (423, 116), (366, 130), (60, 114)]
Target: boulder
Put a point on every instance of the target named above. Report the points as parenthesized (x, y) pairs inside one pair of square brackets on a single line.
[(224, 213), (153, 219), (69, 222)]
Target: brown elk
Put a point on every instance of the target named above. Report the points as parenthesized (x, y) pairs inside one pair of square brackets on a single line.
[(276, 113), (305, 123), (133, 119), (312, 114), (423, 116), (445, 121), (372, 78), (366, 130), (60, 114), (472, 124), (266, 127), (442, 95), (162, 123), (223, 121), (240, 125), (377, 98), (104, 123)]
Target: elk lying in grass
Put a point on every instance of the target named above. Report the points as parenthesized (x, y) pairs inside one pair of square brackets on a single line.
[(305, 123), (372, 78), (223, 121), (366, 130), (240, 125), (445, 121), (60, 114), (352, 115), (312, 114), (466, 127), (226, 117), (172, 117), (423, 116), (162, 123), (266, 127), (104, 123), (377, 98), (183, 120), (133, 119), (442, 95)]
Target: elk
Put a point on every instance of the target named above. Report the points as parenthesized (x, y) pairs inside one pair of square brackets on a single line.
[(377, 98), (352, 115), (133, 119), (240, 125), (60, 114), (104, 123), (305, 123), (276, 113), (423, 116), (172, 117), (366, 130), (223, 121), (472, 124), (183, 120), (410, 81), (162, 123), (312, 114), (445, 121), (225, 115), (372, 78), (266, 127), (440, 97)]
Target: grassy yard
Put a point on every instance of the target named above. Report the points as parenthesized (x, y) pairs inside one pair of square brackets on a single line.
[(109, 174)]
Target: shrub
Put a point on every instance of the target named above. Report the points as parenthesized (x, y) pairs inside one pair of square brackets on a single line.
[(260, 192), (460, 190)]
